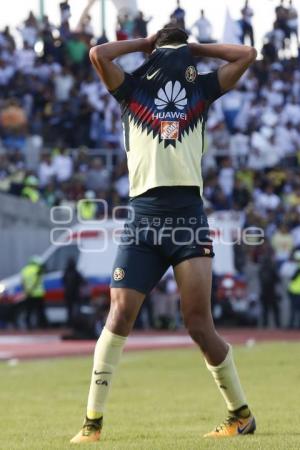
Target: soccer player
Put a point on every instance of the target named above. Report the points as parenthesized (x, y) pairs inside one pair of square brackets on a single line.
[(164, 109)]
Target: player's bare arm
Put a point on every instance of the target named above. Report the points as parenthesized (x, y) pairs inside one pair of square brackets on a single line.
[(102, 57), (238, 57)]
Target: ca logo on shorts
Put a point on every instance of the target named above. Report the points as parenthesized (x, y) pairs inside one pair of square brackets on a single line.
[(190, 74), (119, 274)]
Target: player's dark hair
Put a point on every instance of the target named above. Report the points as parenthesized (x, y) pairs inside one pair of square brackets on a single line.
[(171, 35)]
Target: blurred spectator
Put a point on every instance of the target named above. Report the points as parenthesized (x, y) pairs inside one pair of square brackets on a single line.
[(272, 44), (72, 282), (31, 189), (240, 195), (292, 21), (51, 194), (76, 49), (232, 104), (125, 27), (282, 15), (13, 117), (85, 22), (282, 243), (246, 23), (7, 41), (65, 11), (140, 25), (64, 33), (25, 59), (87, 207), (294, 293), (45, 25), (46, 170), (63, 165), (226, 177), (172, 22), (268, 277), (32, 280), (293, 198), (102, 39), (203, 29), (29, 31), (179, 16), (121, 184), (97, 177), (165, 303), (266, 199), (219, 199), (63, 83), (86, 26)]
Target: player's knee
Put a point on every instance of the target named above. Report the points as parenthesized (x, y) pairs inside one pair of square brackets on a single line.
[(121, 316), (198, 328), (120, 319)]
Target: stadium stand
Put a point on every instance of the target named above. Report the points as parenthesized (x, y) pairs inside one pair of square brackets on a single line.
[(60, 131)]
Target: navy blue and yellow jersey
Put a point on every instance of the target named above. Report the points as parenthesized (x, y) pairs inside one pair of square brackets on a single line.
[(164, 109)]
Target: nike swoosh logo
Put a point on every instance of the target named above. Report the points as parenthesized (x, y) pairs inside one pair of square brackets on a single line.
[(101, 373), (149, 77), (241, 430)]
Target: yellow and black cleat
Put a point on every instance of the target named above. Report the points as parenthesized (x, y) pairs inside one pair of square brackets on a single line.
[(234, 426), (90, 432)]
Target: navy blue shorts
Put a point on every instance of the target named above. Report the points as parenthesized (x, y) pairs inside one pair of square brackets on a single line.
[(160, 232)]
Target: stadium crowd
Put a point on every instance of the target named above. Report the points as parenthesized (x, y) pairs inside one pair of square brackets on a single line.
[(55, 116)]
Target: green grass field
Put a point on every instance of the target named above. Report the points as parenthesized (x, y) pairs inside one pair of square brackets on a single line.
[(160, 400)]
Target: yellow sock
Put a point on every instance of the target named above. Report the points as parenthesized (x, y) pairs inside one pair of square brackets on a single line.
[(107, 355), (228, 382)]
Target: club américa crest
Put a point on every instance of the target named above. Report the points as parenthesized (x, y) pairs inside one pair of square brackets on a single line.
[(190, 74), (119, 274)]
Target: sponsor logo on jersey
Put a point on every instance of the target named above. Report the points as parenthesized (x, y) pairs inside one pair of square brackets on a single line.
[(191, 74), (169, 115), (119, 274), (172, 93), (169, 129)]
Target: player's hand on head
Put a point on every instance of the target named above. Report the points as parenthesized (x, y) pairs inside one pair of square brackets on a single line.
[(150, 43)]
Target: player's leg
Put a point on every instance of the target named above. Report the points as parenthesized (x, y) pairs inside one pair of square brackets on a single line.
[(194, 281), (193, 277), (125, 305), (136, 270)]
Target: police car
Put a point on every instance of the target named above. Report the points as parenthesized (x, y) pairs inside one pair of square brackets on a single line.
[(93, 246)]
